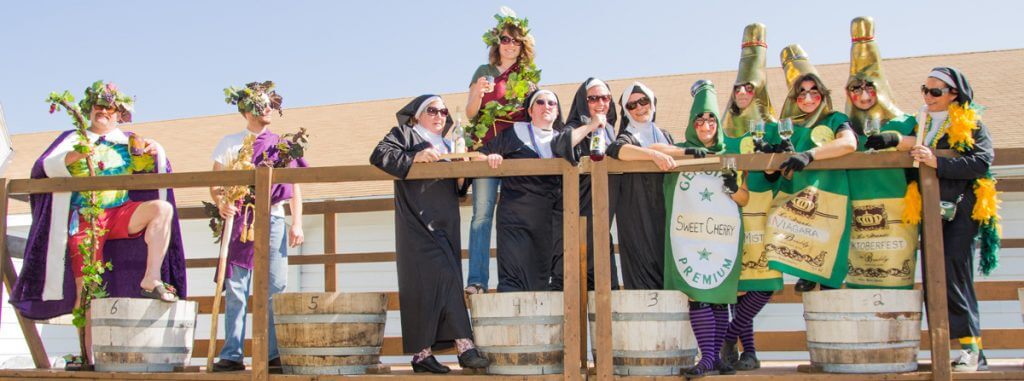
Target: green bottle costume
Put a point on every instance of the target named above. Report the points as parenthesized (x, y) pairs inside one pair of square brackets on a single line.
[(883, 248), (755, 274), (808, 234), (704, 234)]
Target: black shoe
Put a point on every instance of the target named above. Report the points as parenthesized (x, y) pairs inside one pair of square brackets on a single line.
[(431, 365), (729, 353), (804, 285), (697, 371), (473, 360), (724, 368), (225, 365), (748, 361), (274, 366)]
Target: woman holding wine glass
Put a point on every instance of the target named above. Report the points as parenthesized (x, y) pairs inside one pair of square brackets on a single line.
[(878, 210), (810, 206), (495, 103), (590, 128)]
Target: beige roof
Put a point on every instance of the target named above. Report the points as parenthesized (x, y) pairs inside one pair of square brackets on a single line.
[(345, 134)]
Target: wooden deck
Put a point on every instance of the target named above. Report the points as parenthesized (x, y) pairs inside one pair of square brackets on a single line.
[(1000, 369)]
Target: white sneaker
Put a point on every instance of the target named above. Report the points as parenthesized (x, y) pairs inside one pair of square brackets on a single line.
[(969, 361)]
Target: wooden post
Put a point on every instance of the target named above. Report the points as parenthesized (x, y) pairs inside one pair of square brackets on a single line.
[(584, 349), (571, 295), (261, 275), (602, 270), (934, 274), (28, 327), (330, 247)]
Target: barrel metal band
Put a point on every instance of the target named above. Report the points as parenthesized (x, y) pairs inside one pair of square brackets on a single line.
[(143, 323), (859, 316), (525, 369), (640, 370), (142, 368), (647, 316), (330, 318), (129, 349), (869, 368), (522, 348), (655, 354), (515, 320), (899, 344), (342, 351), (349, 369)]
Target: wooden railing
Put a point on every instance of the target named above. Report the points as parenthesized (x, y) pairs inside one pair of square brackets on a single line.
[(574, 330)]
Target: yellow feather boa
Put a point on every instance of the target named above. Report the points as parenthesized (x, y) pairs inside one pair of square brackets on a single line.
[(912, 204), (962, 122)]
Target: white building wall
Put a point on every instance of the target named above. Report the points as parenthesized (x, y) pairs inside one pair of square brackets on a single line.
[(374, 232)]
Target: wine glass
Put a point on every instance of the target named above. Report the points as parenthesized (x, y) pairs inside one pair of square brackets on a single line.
[(786, 129), (729, 164), (872, 127), (759, 131)]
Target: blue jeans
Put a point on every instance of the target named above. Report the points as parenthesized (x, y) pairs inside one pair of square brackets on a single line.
[(485, 195), (237, 292)]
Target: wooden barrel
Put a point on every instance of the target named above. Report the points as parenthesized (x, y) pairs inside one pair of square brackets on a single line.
[(141, 335), (329, 332), (519, 332), (651, 333), (863, 331)]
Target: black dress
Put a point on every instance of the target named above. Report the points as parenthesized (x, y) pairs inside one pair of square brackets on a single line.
[(529, 217), (427, 247), (640, 220)]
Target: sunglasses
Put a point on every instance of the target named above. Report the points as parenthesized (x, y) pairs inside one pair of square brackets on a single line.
[(433, 111), (934, 92), (542, 102), (702, 121), (505, 40), (747, 87), (103, 108), (643, 101), (598, 98), (861, 89)]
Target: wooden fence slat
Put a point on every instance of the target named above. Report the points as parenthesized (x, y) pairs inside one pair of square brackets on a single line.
[(261, 275), (572, 310), (28, 327), (934, 267)]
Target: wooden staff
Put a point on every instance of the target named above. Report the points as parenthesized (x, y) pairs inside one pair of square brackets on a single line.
[(922, 118), (222, 261)]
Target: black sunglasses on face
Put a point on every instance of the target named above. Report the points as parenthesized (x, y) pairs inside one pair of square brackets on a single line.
[(938, 92), (541, 102), (433, 111), (598, 98), (505, 40), (644, 101)]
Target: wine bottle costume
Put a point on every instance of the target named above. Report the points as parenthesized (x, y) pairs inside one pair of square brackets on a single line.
[(883, 247), (808, 234), (640, 211)]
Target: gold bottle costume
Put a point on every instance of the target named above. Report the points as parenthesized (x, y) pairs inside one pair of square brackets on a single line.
[(883, 245), (808, 224)]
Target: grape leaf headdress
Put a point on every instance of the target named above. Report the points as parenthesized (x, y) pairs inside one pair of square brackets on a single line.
[(107, 95), (254, 98), (505, 16)]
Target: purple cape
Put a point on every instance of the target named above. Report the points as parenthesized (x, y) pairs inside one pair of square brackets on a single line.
[(241, 254), (128, 256)]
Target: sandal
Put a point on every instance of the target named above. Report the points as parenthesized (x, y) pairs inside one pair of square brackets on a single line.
[(73, 363), (161, 292), (475, 288)]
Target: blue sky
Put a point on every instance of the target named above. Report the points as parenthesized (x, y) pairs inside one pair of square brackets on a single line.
[(176, 57)]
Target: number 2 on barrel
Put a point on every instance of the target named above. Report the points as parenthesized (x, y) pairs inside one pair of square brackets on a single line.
[(312, 302)]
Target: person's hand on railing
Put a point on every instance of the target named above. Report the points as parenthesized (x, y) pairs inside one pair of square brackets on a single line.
[(428, 155), (796, 163), (662, 160), (494, 160), (924, 155), (883, 140)]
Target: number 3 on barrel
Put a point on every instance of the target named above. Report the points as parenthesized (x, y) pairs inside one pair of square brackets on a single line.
[(312, 302), (654, 299)]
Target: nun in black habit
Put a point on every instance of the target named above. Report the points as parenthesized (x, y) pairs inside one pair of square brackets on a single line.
[(427, 241), (640, 209), (529, 220), (591, 113)]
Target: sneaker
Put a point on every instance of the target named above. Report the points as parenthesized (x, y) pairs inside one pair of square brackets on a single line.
[(969, 361), (729, 353), (225, 365), (748, 361)]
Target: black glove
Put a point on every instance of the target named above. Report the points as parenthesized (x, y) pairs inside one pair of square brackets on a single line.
[(796, 163), (696, 152), (729, 182), (763, 146), (884, 140), (784, 146)]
